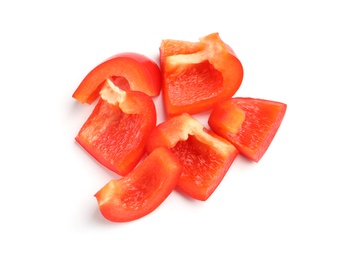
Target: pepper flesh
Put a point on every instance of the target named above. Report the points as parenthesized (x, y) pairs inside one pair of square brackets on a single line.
[(249, 124), (142, 190), (197, 75), (116, 132), (205, 156)]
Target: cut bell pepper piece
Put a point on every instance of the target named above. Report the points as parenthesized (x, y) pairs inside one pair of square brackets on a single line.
[(197, 75), (249, 124), (205, 156), (116, 132), (142, 190), (136, 71)]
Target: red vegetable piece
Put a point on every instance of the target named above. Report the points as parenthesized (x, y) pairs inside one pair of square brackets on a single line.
[(205, 156), (116, 132), (196, 75), (249, 124), (142, 190), (131, 70)]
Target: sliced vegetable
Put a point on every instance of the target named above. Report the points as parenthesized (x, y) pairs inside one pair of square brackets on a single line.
[(249, 124), (205, 156), (179, 153), (197, 75), (128, 70), (142, 190), (116, 132)]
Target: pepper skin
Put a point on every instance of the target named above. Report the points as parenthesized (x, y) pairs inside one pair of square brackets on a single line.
[(136, 71)]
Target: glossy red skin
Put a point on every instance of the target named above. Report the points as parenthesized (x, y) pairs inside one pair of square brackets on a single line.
[(142, 190), (116, 134), (205, 156), (197, 75), (140, 72), (249, 124)]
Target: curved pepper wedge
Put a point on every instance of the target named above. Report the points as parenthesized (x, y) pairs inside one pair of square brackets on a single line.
[(197, 75), (116, 132), (136, 71), (205, 156), (142, 190), (250, 124)]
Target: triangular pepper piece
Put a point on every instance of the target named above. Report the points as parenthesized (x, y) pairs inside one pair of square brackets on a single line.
[(197, 75), (250, 124), (205, 156)]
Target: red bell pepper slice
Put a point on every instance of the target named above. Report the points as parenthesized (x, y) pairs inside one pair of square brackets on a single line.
[(116, 132), (205, 156), (142, 190), (249, 124), (197, 75), (135, 71)]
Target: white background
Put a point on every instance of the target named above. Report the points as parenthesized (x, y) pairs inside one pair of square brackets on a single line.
[(293, 204)]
